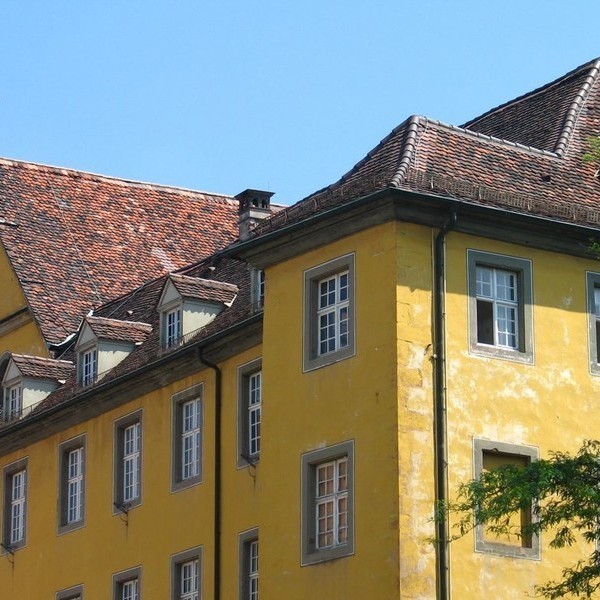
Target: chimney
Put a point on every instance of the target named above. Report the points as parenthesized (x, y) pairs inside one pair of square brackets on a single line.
[(255, 205)]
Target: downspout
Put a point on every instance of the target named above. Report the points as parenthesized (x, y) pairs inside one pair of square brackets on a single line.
[(217, 463), (439, 407)]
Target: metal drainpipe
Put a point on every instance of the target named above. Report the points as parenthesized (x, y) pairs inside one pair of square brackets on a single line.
[(217, 495), (439, 407)]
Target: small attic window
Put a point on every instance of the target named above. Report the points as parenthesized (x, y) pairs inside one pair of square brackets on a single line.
[(13, 402), (172, 327), (88, 366)]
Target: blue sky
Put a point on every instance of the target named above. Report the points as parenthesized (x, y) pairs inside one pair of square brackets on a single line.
[(286, 96)]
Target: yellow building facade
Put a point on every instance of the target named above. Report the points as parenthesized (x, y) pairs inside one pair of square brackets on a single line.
[(365, 352)]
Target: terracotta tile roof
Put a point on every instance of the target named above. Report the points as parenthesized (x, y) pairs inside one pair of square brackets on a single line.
[(114, 329), (525, 155), (44, 368), (204, 289), (83, 239)]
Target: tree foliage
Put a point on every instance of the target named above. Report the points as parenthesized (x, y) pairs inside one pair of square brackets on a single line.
[(564, 493)]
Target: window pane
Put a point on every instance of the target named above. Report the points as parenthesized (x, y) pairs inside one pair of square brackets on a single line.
[(485, 322), (484, 282)]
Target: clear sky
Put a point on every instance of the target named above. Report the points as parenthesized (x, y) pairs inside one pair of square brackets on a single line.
[(223, 95)]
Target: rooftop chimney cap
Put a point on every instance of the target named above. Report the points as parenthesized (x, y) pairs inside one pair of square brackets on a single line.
[(250, 199)]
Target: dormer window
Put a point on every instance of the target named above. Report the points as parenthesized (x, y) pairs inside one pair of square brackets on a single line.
[(103, 343), (187, 304), (27, 381), (172, 319), (14, 402), (88, 366)]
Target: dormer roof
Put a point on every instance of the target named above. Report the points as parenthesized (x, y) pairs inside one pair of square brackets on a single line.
[(204, 289), (117, 330), (43, 368)]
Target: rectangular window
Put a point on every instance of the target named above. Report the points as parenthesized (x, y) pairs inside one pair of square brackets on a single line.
[(172, 320), (331, 504), (15, 505), (190, 439), (72, 484), (128, 462), (14, 402), (73, 593), (329, 312), (131, 462), (186, 438), (593, 308), (186, 574), (127, 585), (492, 455), (327, 503), (500, 301), (249, 412), (89, 366), (257, 285), (248, 565)]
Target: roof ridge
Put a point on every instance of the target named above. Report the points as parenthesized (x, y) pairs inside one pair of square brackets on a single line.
[(98, 317), (203, 280), (42, 358), (562, 145), (69, 172), (535, 92)]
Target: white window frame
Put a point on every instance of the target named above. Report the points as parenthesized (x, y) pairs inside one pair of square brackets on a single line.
[(329, 314), (128, 440), (71, 508), (331, 503), (75, 485), (519, 452), (127, 585), (520, 348), (250, 392), (190, 562), (173, 326), (248, 561), (186, 445), (18, 497), (254, 413), (16, 482), (190, 438), (131, 462), (257, 288), (313, 501), (88, 360), (14, 401)]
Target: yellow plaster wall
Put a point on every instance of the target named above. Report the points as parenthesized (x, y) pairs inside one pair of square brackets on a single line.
[(415, 410), (551, 404), (26, 339), (354, 399), (164, 524)]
